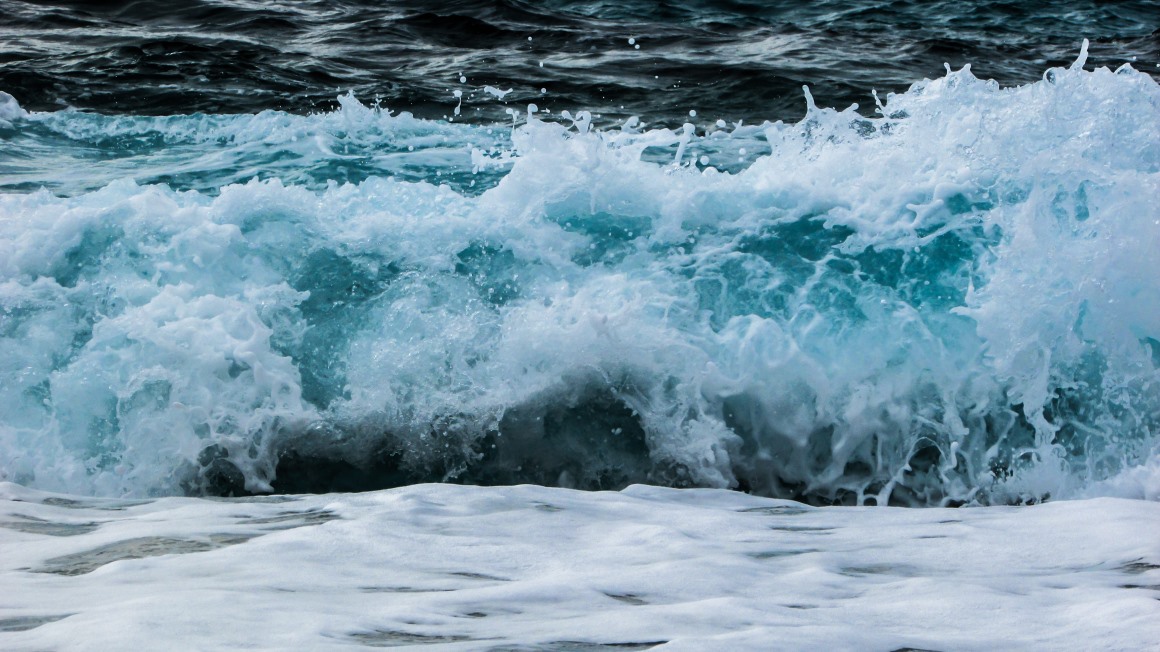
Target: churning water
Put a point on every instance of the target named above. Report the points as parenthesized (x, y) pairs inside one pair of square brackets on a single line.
[(583, 245)]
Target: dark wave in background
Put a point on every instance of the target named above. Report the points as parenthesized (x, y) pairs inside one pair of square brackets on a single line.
[(742, 60)]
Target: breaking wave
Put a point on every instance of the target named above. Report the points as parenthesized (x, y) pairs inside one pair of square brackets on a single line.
[(952, 298)]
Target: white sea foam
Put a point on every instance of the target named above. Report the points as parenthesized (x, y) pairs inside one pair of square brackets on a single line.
[(955, 300), (533, 568), (10, 109)]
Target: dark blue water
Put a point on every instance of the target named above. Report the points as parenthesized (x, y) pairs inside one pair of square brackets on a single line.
[(742, 60), (319, 246)]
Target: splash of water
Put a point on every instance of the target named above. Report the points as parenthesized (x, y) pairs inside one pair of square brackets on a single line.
[(953, 300)]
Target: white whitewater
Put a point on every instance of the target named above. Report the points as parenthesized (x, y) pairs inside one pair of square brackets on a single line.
[(956, 300), (442, 567)]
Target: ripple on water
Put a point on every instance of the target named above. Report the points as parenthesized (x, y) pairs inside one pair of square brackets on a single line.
[(81, 563)]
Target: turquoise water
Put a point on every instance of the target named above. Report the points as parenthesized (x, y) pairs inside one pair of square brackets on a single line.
[(945, 296)]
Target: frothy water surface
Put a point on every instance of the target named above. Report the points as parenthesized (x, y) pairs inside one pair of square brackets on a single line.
[(948, 297)]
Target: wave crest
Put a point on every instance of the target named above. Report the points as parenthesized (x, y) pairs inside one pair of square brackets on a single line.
[(954, 300)]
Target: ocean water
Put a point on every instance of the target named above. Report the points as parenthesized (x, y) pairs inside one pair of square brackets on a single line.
[(445, 568), (308, 247)]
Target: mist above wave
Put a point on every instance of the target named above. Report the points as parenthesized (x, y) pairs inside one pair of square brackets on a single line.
[(955, 300)]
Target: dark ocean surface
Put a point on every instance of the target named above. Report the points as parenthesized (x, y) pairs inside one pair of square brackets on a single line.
[(735, 60), (252, 247)]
